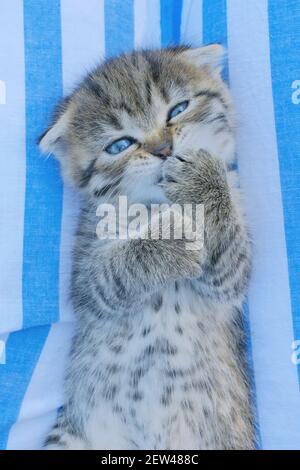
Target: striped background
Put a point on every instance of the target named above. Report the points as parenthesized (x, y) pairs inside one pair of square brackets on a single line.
[(45, 48)]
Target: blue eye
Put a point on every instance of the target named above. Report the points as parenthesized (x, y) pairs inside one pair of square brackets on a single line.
[(179, 108), (119, 145)]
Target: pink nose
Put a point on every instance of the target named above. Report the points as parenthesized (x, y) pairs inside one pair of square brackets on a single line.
[(163, 151)]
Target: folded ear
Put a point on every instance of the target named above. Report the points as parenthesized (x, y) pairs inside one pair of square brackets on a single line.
[(211, 56), (54, 139)]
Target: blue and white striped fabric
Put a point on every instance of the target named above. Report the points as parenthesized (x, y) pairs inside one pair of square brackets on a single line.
[(45, 48)]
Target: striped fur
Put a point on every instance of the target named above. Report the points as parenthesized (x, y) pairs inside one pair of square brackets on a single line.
[(156, 361)]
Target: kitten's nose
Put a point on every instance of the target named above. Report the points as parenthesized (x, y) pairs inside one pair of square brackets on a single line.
[(163, 151)]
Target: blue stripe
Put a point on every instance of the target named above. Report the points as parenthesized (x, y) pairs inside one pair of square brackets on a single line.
[(284, 21), (119, 26), (170, 21), (43, 198), (22, 353), (214, 19)]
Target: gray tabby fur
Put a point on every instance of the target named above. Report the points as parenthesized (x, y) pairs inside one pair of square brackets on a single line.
[(156, 361)]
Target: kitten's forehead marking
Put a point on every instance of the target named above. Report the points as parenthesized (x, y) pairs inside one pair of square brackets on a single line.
[(153, 118), (139, 125)]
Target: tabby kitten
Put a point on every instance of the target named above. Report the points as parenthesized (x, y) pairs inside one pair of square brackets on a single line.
[(156, 361)]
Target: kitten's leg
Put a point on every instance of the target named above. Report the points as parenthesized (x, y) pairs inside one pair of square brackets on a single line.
[(199, 178)]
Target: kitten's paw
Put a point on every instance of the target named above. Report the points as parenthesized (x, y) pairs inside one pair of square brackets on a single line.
[(193, 177)]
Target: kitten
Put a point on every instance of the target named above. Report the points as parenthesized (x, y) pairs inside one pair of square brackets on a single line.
[(156, 361)]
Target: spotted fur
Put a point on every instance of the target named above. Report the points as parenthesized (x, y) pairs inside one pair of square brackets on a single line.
[(157, 359)]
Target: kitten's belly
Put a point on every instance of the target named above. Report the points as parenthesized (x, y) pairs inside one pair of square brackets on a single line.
[(162, 399)]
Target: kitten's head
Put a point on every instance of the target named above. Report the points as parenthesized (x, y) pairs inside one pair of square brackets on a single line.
[(114, 133)]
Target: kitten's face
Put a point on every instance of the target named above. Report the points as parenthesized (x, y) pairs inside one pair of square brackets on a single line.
[(113, 135)]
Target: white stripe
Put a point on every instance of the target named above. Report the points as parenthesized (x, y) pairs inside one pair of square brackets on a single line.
[(12, 164), (191, 22), (147, 23), (29, 434), (269, 298), (89, 44), (83, 45), (45, 391)]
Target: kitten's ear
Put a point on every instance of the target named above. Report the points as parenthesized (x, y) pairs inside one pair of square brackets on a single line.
[(211, 57), (54, 139)]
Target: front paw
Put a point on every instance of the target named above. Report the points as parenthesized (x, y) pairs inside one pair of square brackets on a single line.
[(194, 178)]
